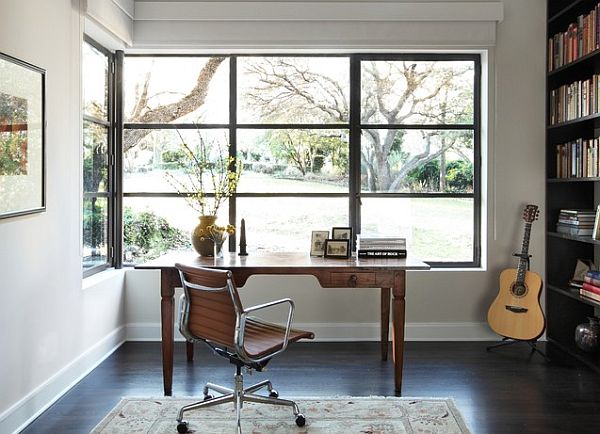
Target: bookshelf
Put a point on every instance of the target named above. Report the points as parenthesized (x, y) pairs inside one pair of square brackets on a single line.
[(572, 118)]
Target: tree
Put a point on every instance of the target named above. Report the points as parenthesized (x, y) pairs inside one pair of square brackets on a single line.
[(393, 92), (307, 150), (142, 112)]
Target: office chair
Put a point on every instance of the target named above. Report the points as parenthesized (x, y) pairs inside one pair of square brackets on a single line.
[(210, 311)]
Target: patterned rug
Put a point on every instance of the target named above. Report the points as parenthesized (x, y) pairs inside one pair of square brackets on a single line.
[(374, 415)]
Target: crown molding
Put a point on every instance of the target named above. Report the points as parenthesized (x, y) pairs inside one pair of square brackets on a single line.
[(317, 11)]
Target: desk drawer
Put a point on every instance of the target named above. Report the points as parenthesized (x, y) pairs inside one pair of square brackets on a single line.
[(352, 280)]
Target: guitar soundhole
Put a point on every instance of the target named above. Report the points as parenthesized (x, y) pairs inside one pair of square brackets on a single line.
[(519, 290)]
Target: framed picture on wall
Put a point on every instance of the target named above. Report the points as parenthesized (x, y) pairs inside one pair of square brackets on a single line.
[(22, 137)]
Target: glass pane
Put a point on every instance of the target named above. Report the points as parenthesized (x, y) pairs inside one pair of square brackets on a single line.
[(436, 229), (417, 161), (95, 157), (95, 231), (176, 89), (158, 161), (95, 82), (293, 161), (309, 90), (288, 224), (154, 226), (417, 92)]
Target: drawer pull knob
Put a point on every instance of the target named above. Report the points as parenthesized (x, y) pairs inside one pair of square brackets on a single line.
[(353, 280)]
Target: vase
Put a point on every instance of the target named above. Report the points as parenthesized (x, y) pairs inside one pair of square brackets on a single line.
[(203, 245), (219, 248), (587, 335)]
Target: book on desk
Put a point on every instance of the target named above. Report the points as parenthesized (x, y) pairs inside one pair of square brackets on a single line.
[(392, 247)]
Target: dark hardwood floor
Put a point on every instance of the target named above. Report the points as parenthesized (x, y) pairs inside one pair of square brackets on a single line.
[(504, 391)]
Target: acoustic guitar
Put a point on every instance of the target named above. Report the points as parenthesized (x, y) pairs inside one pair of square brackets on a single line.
[(516, 312)]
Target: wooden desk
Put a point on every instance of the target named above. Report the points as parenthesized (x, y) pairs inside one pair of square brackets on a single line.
[(387, 274)]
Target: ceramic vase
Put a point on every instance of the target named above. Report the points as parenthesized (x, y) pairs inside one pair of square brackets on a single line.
[(204, 247)]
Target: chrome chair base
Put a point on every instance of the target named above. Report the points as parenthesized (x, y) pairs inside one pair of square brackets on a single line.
[(238, 395)]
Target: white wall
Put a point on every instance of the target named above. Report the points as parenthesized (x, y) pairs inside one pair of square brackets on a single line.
[(51, 330), (440, 304)]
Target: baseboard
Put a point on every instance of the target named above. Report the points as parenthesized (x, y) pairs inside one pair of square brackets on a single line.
[(23, 412), (348, 332)]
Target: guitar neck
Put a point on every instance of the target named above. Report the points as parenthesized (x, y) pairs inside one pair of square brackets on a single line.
[(524, 256)]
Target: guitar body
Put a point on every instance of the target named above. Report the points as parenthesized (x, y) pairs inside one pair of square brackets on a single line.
[(516, 312)]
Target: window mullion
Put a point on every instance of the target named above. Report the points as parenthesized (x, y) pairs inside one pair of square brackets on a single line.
[(354, 143), (233, 141), (117, 192)]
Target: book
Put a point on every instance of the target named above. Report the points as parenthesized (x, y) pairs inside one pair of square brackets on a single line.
[(573, 230), (594, 274), (576, 283), (381, 253), (590, 288), (592, 281), (596, 228), (588, 294)]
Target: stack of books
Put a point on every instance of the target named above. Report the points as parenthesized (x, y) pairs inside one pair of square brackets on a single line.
[(591, 285), (576, 221), (381, 248)]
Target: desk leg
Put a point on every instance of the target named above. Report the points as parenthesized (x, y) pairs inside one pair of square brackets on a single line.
[(398, 292), (167, 291), (189, 350), (385, 322)]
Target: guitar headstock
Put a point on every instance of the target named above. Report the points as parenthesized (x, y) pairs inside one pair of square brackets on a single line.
[(531, 213)]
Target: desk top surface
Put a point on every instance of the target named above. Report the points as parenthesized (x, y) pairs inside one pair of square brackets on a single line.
[(282, 260)]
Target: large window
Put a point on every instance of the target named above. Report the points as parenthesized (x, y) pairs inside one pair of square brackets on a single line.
[(98, 203), (388, 144)]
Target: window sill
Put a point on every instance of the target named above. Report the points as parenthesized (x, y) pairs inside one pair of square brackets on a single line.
[(102, 277)]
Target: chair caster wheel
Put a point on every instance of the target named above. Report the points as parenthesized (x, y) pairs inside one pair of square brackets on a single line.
[(183, 427), (207, 397), (273, 394), (300, 420)]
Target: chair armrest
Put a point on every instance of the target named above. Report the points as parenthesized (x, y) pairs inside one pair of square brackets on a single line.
[(242, 326)]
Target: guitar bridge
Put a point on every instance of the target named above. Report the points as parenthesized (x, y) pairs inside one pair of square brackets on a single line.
[(516, 309)]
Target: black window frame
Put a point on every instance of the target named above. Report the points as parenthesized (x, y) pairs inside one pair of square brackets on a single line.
[(354, 126), (110, 193)]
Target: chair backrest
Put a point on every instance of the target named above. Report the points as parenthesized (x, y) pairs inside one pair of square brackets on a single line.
[(213, 305)]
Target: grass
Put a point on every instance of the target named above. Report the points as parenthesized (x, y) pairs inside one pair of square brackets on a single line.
[(436, 229)]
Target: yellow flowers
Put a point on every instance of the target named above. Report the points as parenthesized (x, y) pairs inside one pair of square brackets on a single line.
[(216, 233), (207, 176)]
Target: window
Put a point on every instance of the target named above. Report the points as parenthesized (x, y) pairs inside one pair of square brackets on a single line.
[(388, 144), (98, 200)]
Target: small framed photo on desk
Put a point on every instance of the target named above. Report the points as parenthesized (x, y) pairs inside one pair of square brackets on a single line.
[(337, 248), (317, 242), (341, 233)]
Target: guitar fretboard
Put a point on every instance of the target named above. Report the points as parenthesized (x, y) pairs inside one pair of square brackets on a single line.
[(523, 259)]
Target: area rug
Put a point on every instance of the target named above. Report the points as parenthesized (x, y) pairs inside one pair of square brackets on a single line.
[(372, 415)]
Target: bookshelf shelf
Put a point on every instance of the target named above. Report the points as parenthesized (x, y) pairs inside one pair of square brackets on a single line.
[(580, 238), (565, 69), (574, 294), (581, 120), (565, 308), (582, 179), (564, 11)]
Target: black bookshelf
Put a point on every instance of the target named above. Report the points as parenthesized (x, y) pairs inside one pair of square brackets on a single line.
[(565, 308)]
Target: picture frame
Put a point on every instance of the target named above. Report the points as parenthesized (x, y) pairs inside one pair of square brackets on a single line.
[(22, 138), (337, 248), (340, 233), (317, 242)]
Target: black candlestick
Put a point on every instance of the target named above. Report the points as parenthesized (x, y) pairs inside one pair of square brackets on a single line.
[(243, 239)]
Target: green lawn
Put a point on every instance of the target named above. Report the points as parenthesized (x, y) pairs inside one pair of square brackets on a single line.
[(436, 229)]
